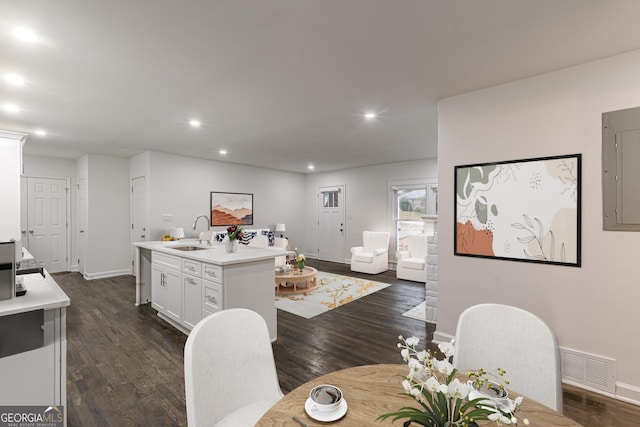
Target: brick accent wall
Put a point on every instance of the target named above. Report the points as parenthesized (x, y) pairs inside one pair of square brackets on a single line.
[(431, 285)]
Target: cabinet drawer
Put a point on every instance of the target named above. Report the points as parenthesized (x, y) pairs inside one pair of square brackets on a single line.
[(192, 267), (166, 260), (212, 272), (212, 297)]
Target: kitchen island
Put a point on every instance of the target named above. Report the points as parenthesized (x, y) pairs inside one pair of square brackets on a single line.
[(186, 285), (33, 344)]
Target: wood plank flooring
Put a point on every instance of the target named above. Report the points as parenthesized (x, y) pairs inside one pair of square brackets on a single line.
[(125, 365)]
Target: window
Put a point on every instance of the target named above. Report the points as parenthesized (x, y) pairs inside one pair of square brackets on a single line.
[(330, 199), (413, 206)]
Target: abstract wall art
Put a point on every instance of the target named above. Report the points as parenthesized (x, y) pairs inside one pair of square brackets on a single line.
[(520, 210), (231, 208)]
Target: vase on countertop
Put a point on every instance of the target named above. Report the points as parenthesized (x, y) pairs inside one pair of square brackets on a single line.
[(231, 246)]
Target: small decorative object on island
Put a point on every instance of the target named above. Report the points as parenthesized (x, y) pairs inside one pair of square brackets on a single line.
[(233, 234), (446, 401)]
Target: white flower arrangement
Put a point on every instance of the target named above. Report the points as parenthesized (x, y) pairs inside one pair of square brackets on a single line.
[(444, 399)]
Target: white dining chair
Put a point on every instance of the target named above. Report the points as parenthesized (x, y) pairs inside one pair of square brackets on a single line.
[(229, 370), (492, 336)]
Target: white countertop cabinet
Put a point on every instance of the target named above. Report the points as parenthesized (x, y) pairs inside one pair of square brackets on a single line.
[(208, 280), (167, 287), (37, 375), (191, 293)]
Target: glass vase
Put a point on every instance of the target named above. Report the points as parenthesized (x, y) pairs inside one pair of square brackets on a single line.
[(231, 246), (301, 266)]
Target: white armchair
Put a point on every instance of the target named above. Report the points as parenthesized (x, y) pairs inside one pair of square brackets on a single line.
[(281, 243), (412, 263), (373, 256)]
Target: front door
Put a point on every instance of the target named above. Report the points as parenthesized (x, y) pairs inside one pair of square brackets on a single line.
[(331, 230), (47, 222)]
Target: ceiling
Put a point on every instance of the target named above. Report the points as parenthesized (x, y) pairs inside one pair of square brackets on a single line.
[(280, 83)]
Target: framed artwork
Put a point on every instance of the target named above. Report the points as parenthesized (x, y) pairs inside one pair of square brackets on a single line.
[(231, 208), (521, 210)]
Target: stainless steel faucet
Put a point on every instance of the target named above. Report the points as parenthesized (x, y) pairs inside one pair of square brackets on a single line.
[(202, 216)]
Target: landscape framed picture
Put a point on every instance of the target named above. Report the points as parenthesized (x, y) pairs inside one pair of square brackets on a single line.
[(231, 208), (520, 210)]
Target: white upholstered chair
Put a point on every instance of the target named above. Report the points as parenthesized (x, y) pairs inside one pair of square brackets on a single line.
[(373, 256), (229, 369), (412, 263), (492, 336), (281, 243)]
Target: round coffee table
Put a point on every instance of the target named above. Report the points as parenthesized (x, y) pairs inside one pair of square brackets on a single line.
[(296, 281)]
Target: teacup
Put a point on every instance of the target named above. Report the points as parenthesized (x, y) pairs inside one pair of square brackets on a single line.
[(325, 398)]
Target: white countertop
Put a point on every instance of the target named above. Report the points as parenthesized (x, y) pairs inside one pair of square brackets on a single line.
[(42, 293), (215, 253)]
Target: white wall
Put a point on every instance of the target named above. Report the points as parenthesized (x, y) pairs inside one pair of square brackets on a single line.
[(108, 219), (49, 167), (366, 198), (593, 308), (181, 186)]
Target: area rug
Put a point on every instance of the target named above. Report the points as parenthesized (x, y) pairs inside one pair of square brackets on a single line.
[(419, 312), (332, 291)]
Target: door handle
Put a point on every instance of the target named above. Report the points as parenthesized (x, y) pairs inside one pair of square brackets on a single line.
[(30, 231), (142, 236), (24, 231), (81, 231)]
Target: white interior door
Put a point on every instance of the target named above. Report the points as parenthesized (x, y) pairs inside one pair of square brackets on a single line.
[(47, 222), (82, 222), (138, 217), (331, 230)]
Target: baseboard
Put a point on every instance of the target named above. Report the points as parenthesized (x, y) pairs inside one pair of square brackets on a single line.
[(628, 393), (105, 274)]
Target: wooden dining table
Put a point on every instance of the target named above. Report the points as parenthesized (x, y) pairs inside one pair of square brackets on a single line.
[(373, 390)]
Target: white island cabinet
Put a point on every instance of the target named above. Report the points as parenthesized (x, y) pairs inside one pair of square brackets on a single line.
[(33, 345), (186, 286)]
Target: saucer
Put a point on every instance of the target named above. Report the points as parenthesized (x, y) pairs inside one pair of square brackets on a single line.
[(325, 416), (505, 404)]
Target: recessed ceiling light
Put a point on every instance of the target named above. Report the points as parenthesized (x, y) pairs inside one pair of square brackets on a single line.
[(195, 123), (41, 132), (311, 167), (370, 116), (11, 108), (222, 152), (13, 79), (25, 34)]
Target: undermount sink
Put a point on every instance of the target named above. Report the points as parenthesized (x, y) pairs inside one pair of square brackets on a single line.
[(189, 248)]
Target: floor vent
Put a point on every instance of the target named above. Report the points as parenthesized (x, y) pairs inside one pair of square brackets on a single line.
[(588, 370)]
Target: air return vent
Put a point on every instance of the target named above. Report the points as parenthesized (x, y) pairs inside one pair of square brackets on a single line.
[(588, 370)]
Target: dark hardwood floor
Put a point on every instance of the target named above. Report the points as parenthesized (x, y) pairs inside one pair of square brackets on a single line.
[(125, 365)]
